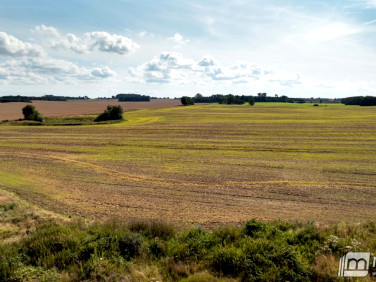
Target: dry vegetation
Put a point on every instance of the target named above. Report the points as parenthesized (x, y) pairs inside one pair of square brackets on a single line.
[(210, 164)]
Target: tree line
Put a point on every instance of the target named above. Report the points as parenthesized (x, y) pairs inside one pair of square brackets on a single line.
[(29, 99), (360, 100), (230, 99), (132, 98)]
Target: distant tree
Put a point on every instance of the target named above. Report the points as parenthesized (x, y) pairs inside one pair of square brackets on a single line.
[(198, 97), (360, 100), (187, 101), (132, 98), (30, 113), (111, 113), (251, 101)]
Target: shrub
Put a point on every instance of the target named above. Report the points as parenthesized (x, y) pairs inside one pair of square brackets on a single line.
[(227, 260), (111, 113), (251, 101), (315, 105), (52, 246), (253, 226), (30, 113), (186, 101), (193, 244), (153, 229), (130, 245)]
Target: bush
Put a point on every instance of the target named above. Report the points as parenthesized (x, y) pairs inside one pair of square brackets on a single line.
[(251, 101), (187, 101), (191, 245), (153, 229), (52, 246), (315, 105), (130, 245), (253, 226), (111, 113), (30, 113)]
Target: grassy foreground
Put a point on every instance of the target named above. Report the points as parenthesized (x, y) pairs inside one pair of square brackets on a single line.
[(60, 249), (57, 249)]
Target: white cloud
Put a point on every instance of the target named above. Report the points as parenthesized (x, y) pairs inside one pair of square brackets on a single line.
[(48, 31), (100, 40), (103, 72), (49, 70), (13, 47), (173, 68), (178, 39), (112, 43), (332, 31)]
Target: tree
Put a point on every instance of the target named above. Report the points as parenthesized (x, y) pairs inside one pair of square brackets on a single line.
[(251, 101), (30, 113), (111, 113), (186, 101)]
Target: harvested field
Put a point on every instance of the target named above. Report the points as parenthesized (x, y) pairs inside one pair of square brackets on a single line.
[(207, 164), (12, 111)]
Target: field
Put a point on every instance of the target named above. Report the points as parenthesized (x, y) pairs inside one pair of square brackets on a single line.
[(12, 111), (205, 164)]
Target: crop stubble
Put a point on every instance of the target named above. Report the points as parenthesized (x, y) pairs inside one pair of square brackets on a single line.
[(208, 164)]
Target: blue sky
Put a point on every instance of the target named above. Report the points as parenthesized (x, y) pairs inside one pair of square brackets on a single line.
[(175, 48)]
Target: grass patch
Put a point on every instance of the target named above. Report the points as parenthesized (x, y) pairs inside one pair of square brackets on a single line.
[(267, 251)]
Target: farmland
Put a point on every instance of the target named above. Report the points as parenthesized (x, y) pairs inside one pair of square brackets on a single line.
[(11, 111), (206, 164)]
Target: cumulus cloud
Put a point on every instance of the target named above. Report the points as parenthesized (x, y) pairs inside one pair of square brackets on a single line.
[(13, 47), (165, 68), (103, 72), (178, 39), (49, 70), (172, 67), (112, 43), (48, 31), (100, 40)]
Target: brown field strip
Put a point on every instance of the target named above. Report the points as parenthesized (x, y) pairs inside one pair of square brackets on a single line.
[(12, 111)]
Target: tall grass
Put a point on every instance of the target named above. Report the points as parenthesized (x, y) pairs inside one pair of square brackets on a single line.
[(255, 251)]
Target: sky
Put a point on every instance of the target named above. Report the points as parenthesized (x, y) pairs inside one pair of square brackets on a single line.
[(162, 48)]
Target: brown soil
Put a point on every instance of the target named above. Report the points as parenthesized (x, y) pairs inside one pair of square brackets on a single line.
[(12, 111)]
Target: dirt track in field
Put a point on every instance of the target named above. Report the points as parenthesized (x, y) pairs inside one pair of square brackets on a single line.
[(12, 111)]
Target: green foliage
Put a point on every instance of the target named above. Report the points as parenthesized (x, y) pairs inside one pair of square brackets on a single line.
[(186, 101), (132, 98), (252, 227), (8, 207), (360, 100), (257, 251), (191, 245), (153, 229), (30, 113), (251, 101), (111, 113)]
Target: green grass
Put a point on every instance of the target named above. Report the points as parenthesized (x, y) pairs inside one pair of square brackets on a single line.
[(62, 121), (147, 251)]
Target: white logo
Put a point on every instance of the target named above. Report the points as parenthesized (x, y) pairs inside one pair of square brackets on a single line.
[(355, 265)]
